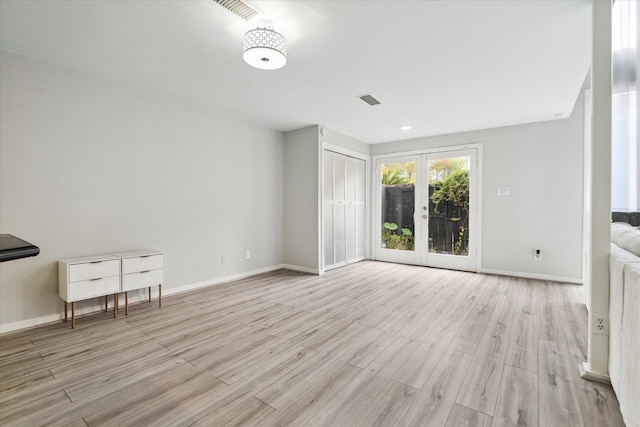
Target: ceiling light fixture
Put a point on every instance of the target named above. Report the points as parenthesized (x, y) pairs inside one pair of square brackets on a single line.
[(405, 127), (265, 48)]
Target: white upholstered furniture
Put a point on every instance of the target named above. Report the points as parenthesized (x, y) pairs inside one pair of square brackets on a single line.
[(624, 320)]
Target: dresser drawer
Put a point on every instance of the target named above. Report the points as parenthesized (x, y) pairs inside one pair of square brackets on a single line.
[(93, 288), (142, 263), (140, 280), (94, 270)]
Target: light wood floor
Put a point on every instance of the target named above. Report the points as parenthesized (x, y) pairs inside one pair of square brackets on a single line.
[(368, 344)]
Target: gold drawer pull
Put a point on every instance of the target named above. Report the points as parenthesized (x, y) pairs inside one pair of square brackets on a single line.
[(95, 262), (146, 271), (145, 256), (93, 280)]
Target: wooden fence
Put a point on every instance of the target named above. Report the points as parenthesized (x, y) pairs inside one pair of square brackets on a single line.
[(398, 203)]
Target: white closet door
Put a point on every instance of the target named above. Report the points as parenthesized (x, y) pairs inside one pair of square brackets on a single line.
[(351, 228), (339, 223), (350, 179), (344, 214), (339, 238), (361, 213), (338, 178), (327, 207), (361, 238), (360, 181)]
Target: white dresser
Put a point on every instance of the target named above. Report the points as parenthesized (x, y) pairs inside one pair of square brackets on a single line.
[(88, 277), (101, 275), (141, 269)]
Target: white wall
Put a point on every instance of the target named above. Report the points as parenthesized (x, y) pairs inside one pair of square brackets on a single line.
[(90, 167), (344, 141), (301, 200), (542, 163)]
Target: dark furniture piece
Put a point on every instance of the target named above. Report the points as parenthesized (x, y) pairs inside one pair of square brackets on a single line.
[(632, 218), (12, 247)]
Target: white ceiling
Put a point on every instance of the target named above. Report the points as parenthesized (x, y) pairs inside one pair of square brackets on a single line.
[(440, 66)]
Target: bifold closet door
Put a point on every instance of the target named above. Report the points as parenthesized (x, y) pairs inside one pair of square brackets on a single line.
[(344, 212), (350, 210), (328, 258), (339, 223)]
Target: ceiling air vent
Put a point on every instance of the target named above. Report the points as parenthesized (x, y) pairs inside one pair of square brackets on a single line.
[(240, 8), (369, 99)]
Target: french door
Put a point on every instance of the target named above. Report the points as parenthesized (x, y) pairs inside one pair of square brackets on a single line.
[(427, 210)]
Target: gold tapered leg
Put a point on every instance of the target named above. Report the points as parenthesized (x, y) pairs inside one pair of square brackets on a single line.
[(65, 311), (126, 303), (149, 293), (106, 303), (73, 315), (115, 305), (160, 295)]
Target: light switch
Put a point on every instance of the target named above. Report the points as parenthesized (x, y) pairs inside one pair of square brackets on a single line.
[(504, 191)]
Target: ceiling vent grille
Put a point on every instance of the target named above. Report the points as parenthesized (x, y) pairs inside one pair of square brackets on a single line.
[(238, 7), (369, 99)]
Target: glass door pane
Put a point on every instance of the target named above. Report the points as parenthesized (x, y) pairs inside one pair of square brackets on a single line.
[(397, 195), (449, 205), (449, 210)]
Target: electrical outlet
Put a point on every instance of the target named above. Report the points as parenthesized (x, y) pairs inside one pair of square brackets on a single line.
[(600, 323), (537, 255), (223, 259), (247, 254)]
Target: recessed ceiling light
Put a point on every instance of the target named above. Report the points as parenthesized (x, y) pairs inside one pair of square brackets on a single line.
[(559, 115), (405, 127)]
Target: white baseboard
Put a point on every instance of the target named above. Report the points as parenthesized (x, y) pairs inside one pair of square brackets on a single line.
[(30, 323), (221, 280), (133, 298), (94, 308), (301, 269), (587, 374), (532, 276)]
